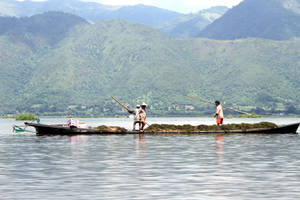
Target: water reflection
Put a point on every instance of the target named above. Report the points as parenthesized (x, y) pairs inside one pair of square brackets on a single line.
[(77, 143), (78, 139), (140, 144), (219, 144)]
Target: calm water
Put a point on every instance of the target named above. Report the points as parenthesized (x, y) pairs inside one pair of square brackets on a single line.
[(149, 167)]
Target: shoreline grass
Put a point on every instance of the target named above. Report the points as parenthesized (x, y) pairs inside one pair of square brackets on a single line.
[(25, 116)]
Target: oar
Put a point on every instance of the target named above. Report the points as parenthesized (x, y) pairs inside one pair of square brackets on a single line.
[(209, 102), (119, 102)]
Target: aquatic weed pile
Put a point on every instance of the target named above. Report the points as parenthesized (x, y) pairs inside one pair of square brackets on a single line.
[(245, 126), (111, 128), (190, 128)]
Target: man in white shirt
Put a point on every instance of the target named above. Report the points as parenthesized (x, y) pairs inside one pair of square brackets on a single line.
[(136, 118), (219, 113), (142, 115)]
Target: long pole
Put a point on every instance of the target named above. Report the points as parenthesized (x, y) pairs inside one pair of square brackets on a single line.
[(209, 102), (119, 102)]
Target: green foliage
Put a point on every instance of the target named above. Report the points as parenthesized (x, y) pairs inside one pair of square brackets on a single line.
[(252, 115), (26, 116), (50, 28), (77, 74)]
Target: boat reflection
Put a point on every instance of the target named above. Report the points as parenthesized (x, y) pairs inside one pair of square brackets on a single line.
[(76, 143), (78, 139)]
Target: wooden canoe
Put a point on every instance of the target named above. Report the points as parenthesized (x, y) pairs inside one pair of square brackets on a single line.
[(43, 129)]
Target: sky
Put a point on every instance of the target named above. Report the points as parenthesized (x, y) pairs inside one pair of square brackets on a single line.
[(182, 6)]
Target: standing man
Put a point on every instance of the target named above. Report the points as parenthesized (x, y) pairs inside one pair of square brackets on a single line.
[(142, 115), (136, 118), (219, 113)]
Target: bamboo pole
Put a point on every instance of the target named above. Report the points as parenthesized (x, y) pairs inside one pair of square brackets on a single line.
[(119, 102), (209, 102)]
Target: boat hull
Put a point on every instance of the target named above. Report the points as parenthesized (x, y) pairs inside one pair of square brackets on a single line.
[(43, 129)]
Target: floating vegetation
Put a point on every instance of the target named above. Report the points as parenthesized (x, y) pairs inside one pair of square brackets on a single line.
[(26, 116), (190, 128), (111, 128), (252, 115)]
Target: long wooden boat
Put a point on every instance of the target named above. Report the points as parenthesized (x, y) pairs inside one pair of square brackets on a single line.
[(43, 129)]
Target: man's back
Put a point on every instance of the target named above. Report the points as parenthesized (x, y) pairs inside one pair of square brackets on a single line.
[(219, 111)]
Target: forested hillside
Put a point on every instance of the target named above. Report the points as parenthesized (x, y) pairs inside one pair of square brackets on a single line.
[(50, 27), (79, 72), (22, 42)]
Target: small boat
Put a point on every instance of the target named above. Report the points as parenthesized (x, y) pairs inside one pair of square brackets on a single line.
[(61, 129)]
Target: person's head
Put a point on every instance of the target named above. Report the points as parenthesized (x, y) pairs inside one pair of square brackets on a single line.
[(144, 105), (217, 103), (138, 106)]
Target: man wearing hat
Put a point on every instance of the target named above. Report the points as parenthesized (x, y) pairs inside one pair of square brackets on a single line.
[(142, 116), (136, 118)]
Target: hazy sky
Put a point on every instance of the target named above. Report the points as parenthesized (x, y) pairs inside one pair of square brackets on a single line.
[(183, 6)]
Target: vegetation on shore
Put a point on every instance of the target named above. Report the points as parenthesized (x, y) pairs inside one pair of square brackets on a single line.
[(252, 115), (26, 116)]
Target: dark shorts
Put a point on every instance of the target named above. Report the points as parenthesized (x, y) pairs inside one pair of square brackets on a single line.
[(219, 120)]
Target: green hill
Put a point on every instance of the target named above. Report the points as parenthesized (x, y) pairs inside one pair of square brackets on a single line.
[(109, 58), (22, 42), (50, 27), (92, 62), (269, 19)]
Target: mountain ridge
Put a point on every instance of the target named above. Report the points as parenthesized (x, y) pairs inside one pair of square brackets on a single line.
[(168, 21)]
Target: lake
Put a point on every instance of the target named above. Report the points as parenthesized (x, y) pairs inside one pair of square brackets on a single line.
[(216, 167)]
